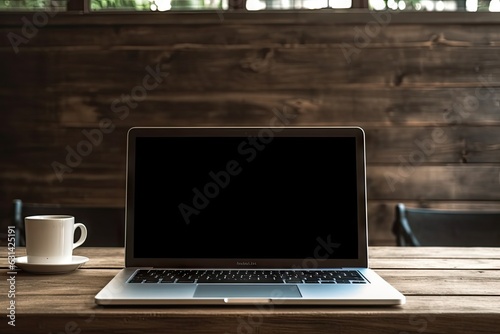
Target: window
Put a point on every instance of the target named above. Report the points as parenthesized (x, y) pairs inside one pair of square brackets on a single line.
[(255, 5), (252, 5), (436, 5), (32, 5)]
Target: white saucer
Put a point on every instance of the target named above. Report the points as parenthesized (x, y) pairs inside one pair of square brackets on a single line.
[(50, 268)]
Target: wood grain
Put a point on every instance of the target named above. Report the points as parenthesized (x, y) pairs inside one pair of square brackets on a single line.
[(448, 290), (426, 94)]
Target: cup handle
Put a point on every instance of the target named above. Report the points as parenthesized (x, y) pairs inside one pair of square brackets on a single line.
[(83, 234)]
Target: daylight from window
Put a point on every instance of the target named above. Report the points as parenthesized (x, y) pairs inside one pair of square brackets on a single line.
[(256, 5), (251, 5), (399, 5), (433, 5)]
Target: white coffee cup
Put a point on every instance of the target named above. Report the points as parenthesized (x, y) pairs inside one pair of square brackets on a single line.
[(50, 238)]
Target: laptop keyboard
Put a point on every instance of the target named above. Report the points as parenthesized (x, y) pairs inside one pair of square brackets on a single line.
[(248, 276)]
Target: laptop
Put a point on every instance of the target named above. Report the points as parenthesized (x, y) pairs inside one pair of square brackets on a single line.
[(246, 215)]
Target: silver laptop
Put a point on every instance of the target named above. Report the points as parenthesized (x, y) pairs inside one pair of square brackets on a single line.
[(246, 215)]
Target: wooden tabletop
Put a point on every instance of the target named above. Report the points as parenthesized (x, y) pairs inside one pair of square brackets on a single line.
[(449, 290)]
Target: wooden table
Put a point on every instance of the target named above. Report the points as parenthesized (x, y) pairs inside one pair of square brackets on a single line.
[(449, 290)]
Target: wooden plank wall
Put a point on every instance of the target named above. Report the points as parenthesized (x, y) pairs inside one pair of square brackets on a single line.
[(427, 95)]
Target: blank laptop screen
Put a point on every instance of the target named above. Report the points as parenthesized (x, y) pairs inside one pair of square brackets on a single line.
[(245, 196)]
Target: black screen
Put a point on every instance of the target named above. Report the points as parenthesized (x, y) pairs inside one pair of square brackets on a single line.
[(245, 197)]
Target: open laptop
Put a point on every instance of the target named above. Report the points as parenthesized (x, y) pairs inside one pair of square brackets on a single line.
[(246, 215)]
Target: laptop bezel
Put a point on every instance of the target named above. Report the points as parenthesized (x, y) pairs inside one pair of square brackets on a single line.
[(317, 131)]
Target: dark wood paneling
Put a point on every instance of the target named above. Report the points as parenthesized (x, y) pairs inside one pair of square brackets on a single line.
[(255, 67), (427, 96)]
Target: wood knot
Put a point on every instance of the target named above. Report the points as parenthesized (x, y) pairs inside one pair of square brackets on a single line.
[(259, 63), (398, 79)]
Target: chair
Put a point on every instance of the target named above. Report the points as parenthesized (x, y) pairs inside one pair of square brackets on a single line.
[(105, 225), (433, 227)]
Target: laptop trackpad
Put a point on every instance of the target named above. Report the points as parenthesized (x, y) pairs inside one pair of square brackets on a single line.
[(235, 291)]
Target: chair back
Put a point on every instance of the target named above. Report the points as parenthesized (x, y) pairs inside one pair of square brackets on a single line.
[(455, 228), (105, 225)]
